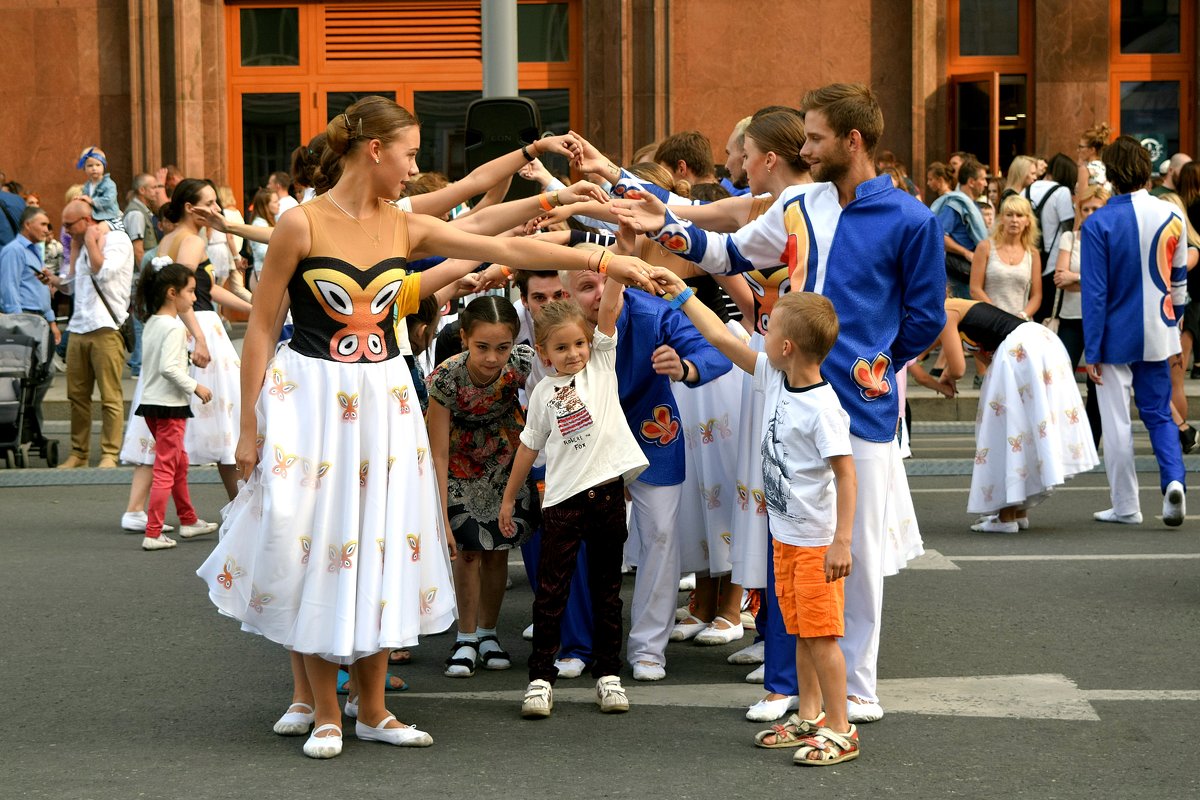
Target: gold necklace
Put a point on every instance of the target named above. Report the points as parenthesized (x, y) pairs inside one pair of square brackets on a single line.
[(378, 220)]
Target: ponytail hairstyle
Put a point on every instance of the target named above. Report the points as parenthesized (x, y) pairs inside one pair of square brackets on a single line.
[(372, 117), (1096, 137), (161, 274), (186, 191), (781, 133), (422, 324), (489, 308), (661, 177), (306, 161)]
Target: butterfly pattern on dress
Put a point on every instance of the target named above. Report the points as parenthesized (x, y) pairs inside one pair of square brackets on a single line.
[(280, 387), (981, 455), (427, 597), (1014, 442), (1042, 428), (712, 497), (1072, 415), (706, 431), (871, 376), (414, 544), (305, 548), (1076, 450), (349, 404), (283, 462), (1047, 376), (723, 426), (363, 467), (997, 406), (662, 428), (361, 310), (987, 492), (344, 558), (1024, 392), (760, 502), (727, 537), (312, 479), (400, 393), (229, 573), (743, 496), (421, 453), (382, 545), (259, 599)]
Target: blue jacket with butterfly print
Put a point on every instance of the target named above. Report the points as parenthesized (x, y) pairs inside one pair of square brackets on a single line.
[(880, 261), (644, 325)]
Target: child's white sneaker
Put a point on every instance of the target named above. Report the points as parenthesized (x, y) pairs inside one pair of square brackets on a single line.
[(539, 700), (197, 528), (160, 542), (1174, 504), (610, 695)]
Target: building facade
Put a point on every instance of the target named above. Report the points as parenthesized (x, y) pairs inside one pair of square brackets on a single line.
[(226, 88)]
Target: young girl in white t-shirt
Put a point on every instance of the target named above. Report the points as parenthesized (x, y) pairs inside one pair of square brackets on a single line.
[(576, 417)]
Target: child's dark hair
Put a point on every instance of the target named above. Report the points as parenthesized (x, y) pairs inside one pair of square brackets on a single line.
[(489, 308), (556, 314), (154, 283)]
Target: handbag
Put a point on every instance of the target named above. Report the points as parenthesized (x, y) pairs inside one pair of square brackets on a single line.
[(1051, 322), (128, 335)]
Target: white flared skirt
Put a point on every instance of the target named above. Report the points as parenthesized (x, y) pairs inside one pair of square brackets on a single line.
[(1031, 432), (334, 546)]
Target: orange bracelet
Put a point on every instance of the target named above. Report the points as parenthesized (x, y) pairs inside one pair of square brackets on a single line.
[(544, 200), (605, 257), (506, 272)]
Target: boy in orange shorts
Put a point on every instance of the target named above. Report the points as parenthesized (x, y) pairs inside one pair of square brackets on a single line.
[(810, 484)]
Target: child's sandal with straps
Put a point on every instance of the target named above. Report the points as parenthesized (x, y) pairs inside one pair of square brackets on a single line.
[(462, 666), (791, 733), (827, 747), (494, 657)]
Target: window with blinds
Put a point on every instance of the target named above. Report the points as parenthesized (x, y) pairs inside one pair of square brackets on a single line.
[(403, 31)]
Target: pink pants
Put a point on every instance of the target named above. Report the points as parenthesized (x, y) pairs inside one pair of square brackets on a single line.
[(170, 475)]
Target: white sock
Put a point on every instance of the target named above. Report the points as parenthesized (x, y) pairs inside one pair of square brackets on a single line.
[(467, 638)]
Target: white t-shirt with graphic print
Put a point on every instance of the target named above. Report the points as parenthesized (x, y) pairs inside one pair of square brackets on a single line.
[(578, 422), (804, 429)]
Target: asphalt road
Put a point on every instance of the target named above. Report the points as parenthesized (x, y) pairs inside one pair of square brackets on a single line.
[(1058, 663)]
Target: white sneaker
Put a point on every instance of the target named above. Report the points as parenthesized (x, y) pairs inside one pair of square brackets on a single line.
[(1174, 504), (135, 522), (688, 582), (1109, 515), (527, 634), (712, 636), (648, 672), (759, 675), (610, 695), (539, 700), (160, 542), (1022, 522), (770, 710), (569, 667), (199, 528), (752, 654)]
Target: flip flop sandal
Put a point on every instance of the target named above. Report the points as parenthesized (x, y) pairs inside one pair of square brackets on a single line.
[(398, 657), (468, 663), (344, 680), (499, 655), (827, 747), (791, 733)]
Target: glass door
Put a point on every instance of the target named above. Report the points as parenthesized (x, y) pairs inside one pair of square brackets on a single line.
[(975, 114), (270, 130)]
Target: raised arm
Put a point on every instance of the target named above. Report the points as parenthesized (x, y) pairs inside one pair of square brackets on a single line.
[(499, 218), (706, 322)]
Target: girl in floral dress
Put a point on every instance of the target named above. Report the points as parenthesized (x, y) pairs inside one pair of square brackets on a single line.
[(475, 422)]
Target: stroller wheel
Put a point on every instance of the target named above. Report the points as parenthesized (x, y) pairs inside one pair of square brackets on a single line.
[(22, 458), (50, 453)]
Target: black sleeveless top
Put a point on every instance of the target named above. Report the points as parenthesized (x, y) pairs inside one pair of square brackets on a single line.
[(204, 284), (343, 313), (984, 327)]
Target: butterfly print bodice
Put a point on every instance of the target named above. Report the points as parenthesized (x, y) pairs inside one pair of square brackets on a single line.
[(342, 313)]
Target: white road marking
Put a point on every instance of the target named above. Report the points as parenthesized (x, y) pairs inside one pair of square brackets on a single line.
[(1046, 696), (932, 559), (1080, 557)]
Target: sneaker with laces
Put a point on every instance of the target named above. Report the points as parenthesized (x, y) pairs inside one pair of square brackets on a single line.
[(610, 695), (539, 700), (160, 542), (197, 528)]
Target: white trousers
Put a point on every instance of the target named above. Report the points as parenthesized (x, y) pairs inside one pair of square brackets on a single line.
[(1112, 397), (656, 585), (873, 463)]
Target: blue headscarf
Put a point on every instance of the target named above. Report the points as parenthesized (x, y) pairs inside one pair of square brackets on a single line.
[(91, 152)]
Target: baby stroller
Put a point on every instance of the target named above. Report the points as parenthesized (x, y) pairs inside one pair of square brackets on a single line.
[(24, 364)]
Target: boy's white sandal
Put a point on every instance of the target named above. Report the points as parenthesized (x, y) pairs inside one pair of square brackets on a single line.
[(827, 747)]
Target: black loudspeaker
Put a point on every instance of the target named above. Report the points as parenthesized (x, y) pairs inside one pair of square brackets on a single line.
[(499, 125)]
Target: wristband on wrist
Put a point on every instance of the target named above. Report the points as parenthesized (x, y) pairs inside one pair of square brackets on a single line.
[(681, 298), (506, 272), (554, 199), (605, 257), (544, 201), (687, 371), (525, 152)]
